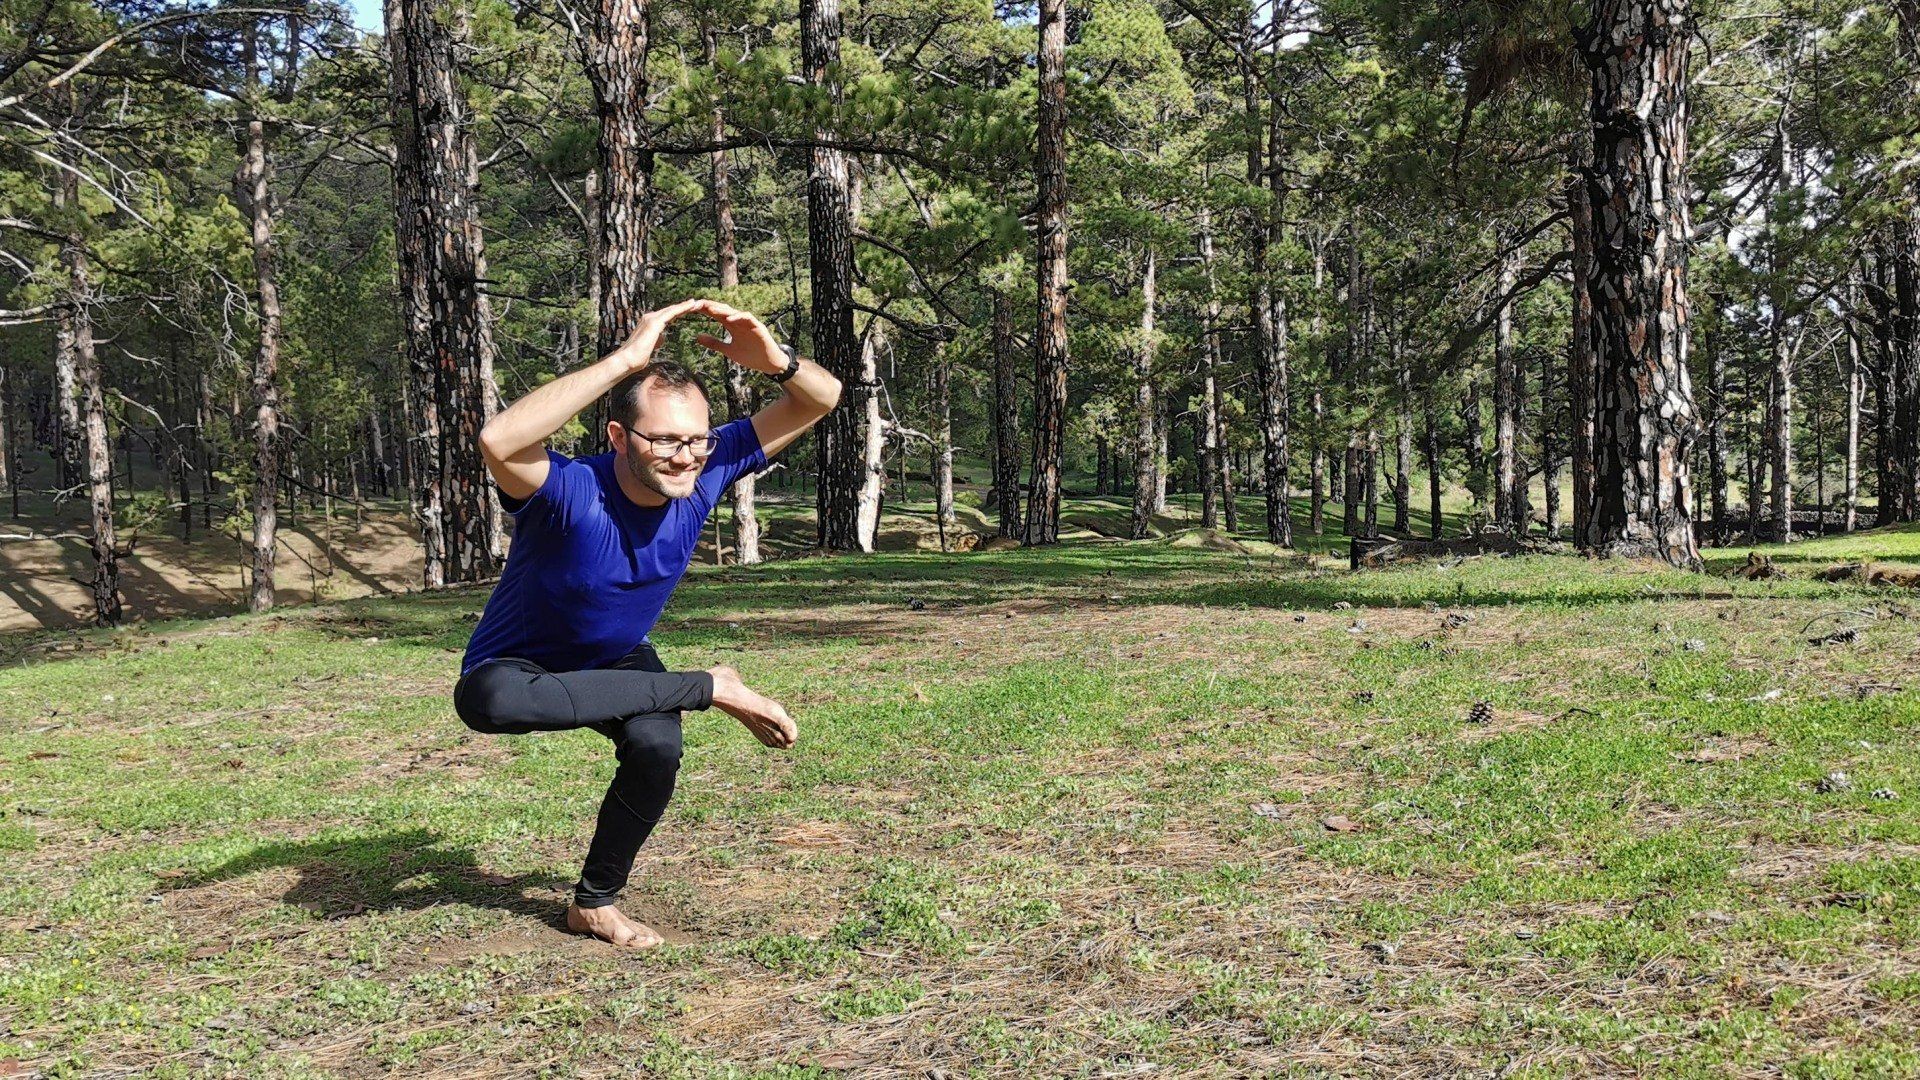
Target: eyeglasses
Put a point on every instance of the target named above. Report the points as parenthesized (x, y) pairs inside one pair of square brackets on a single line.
[(667, 446)]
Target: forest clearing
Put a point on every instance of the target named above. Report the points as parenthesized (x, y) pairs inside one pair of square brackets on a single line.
[(1107, 808)]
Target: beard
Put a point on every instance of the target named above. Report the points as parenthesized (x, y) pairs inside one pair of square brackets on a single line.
[(654, 477)]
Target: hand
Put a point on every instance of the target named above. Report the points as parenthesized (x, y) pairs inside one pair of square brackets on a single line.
[(637, 352), (750, 344), (765, 717)]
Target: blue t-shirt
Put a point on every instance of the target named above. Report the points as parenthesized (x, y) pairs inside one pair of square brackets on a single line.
[(590, 570)]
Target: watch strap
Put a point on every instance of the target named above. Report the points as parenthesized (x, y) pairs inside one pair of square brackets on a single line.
[(793, 363)]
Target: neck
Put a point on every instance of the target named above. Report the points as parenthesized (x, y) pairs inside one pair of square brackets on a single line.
[(637, 493)]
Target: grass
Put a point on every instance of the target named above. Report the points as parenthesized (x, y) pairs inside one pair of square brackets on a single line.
[(1069, 819)]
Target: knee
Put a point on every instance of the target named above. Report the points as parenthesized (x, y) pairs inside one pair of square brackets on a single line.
[(651, 742)]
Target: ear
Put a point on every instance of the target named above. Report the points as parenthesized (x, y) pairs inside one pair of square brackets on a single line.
[(616, 436)]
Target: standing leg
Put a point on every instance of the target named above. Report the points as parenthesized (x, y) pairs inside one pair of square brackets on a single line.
[(648, 750)]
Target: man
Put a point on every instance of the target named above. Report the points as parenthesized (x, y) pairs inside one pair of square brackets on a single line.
[(598, 545)]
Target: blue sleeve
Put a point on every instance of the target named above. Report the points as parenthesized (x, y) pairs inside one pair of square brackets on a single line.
[(553, 502), (736, 452)]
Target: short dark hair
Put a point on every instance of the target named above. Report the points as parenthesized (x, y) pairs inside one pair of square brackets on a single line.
[(623, 401)]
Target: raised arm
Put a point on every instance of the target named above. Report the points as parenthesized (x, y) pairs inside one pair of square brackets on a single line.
[(810, 394), (514, 442)]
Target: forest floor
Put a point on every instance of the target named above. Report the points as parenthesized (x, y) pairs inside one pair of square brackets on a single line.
[(1102, 809)]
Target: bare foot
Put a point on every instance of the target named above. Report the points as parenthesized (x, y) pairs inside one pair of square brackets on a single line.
[(765, 717), (607, 924)]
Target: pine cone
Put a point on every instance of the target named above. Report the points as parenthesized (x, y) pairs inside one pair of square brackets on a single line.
[(1481, 713)]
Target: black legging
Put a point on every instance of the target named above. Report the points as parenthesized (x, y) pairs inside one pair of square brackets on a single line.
[(636, 702)]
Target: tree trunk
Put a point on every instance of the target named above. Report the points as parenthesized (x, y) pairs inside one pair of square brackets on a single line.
[(1266, 167), (1431, 446), (746, 519), (1780, 418), (68, 429), (1549, 462), (1716, 433), (420, 444), (1850, 482), (1148, 485), (1211, 462), (942, 442), (1403, 451), (614, 49), (1006, 418), (1050, 333), (1580, 360), (1636, 52), (256, 181), (93, 423), (459, 322), (1506, 403), (846, 484), (871, 468)]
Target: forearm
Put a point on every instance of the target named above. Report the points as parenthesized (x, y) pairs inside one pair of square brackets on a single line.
[(531, 420), (813, 388)]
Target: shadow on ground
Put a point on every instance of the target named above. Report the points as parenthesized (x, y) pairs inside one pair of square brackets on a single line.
[(405, 870)]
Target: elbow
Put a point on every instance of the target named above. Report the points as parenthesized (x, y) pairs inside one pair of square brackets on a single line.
[(833, 395), (490, 448)]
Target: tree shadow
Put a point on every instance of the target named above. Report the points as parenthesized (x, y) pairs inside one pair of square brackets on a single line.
[(404, 870)]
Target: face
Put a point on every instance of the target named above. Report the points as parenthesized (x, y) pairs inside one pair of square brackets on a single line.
[(679, 414)]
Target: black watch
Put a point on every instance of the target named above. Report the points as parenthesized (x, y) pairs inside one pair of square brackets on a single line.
[(793, 363)]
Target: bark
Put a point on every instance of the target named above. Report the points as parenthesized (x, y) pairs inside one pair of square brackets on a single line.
[(847, 486), (459, 321), (1850, 481), (871, 468), (1148, 484), (255, 181), (614, 49), (1580, 359), (1163, 428), (1403, 451), (1507, 482), (1431, 444), (1780, 401), (421, 439), (746, 519), (68, 431), (93, 422), (1266, 167), (1211, 462), (1900, 498), (1050, 334), (1006, 418), (1636, 52), (1549, 459), (1716, 434), (1317, 459), (942, 442)]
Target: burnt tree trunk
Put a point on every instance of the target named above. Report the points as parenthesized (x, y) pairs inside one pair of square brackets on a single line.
[(615, 52), (420, 435), (1050, 332), (843, 436), (459, 323), (1636, 52)]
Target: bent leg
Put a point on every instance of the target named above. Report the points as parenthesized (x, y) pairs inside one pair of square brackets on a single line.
[(511, 696)]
